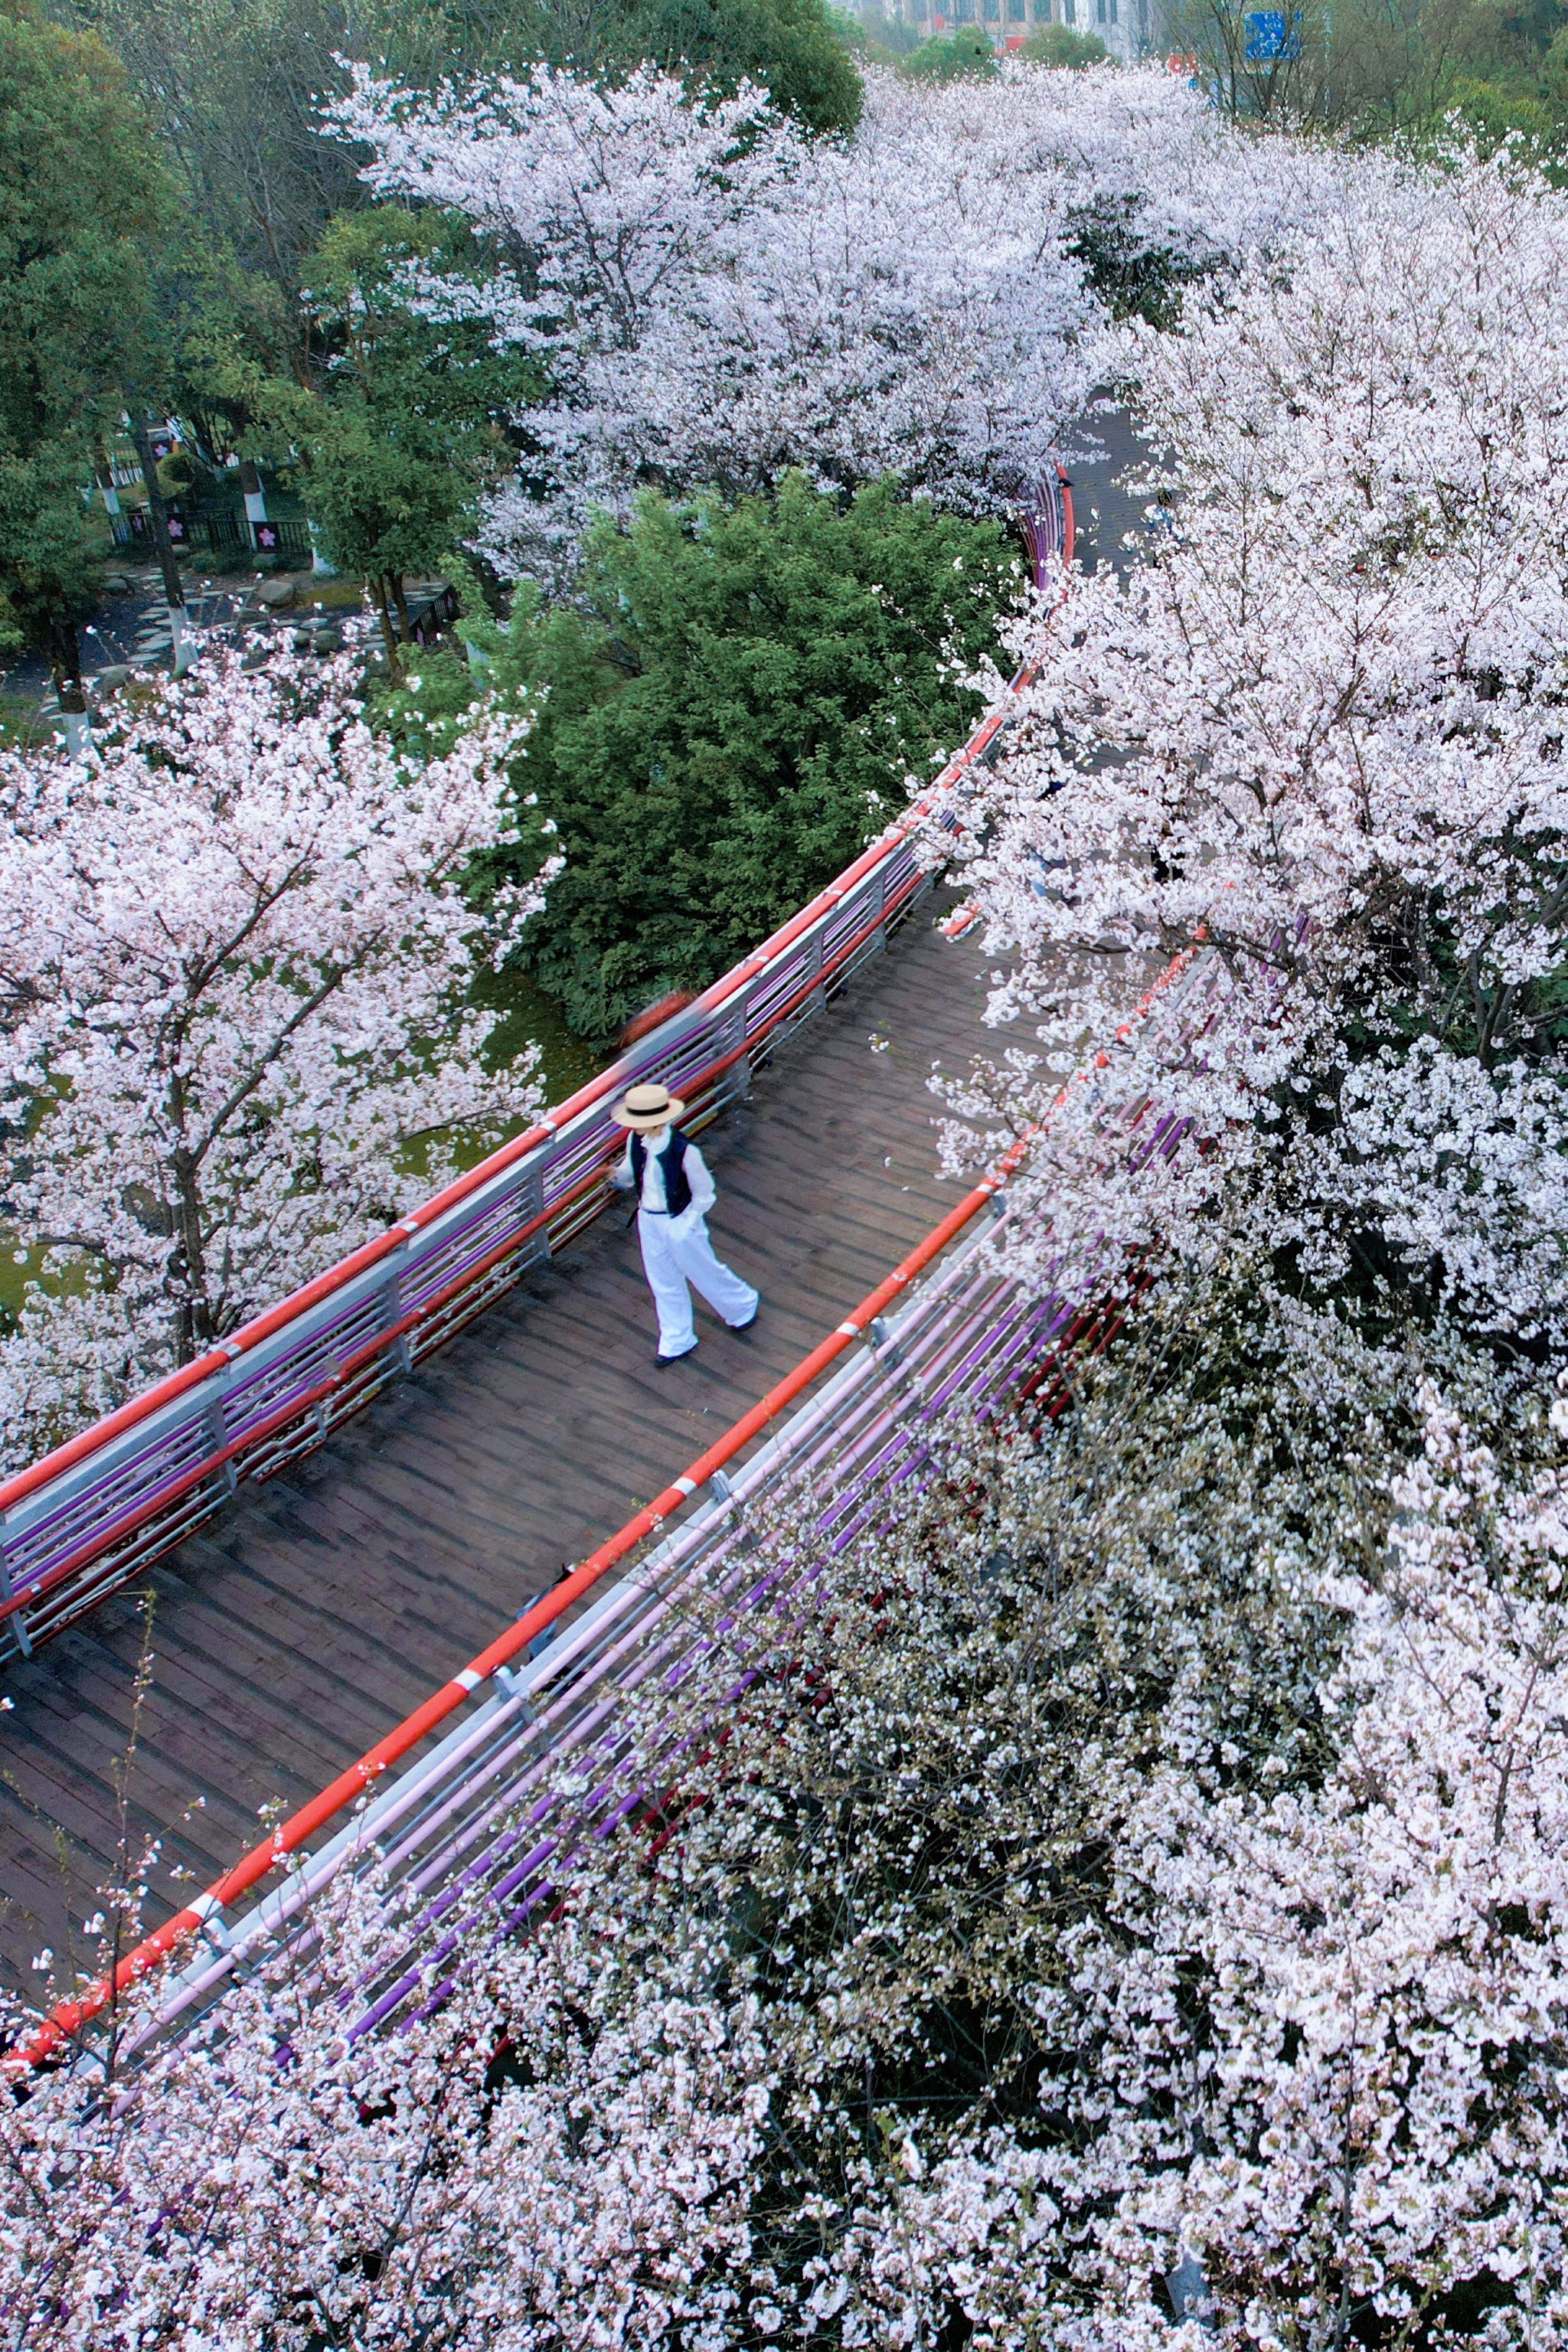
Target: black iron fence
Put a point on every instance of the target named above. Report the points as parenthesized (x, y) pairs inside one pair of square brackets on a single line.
[(217, 532)]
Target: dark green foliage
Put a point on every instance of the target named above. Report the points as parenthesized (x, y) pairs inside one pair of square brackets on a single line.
[(962, 56), (1058, 44), (401, 426), (82, 202), (236, 86), (791, 46), (732, 712), (1131, 276)]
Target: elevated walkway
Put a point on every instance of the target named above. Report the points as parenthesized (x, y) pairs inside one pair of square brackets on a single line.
[(329, 1601), (287, 1635)]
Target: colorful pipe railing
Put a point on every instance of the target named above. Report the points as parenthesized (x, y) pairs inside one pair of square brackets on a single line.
[(478, 1825), (99, 1509)]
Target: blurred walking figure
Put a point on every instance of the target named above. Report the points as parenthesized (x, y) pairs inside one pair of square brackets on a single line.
[(674, 1193)]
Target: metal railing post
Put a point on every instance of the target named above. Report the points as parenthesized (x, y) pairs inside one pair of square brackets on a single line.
[(214, 1428), (817, 1001), (530, 1208), (389, 1311), (15, 1622)]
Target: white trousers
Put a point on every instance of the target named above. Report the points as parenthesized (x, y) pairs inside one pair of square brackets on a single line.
[(675, 1252)]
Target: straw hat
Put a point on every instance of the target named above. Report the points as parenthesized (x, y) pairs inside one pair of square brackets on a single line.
[(647, 1107)]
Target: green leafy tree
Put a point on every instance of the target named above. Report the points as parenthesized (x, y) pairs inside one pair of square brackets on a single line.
[(791, 47), (1379, 68), (236, 88), (396, 432), (965, 56), (734, 707), (83, 200), (1058, 44)]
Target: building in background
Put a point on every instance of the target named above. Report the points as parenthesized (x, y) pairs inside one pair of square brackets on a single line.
[(1130, 28)]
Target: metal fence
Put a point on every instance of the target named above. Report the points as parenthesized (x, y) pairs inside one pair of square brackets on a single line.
[(288, 539), (218, 531), (99, 1509), (482, 1827)]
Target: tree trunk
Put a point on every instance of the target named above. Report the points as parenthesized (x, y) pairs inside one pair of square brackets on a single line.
[(377, 584), (65, 668), (401, 601), (255, 497), (158, 516), (192, 1314)]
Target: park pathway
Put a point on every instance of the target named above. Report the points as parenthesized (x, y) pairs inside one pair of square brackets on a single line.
[(328, 1602), (331, 1601)]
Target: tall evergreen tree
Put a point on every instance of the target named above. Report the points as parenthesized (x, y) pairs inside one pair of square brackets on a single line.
[(83, 197)]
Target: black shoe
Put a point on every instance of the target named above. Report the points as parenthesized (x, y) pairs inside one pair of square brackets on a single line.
[(663, 1363), (750, 1319)]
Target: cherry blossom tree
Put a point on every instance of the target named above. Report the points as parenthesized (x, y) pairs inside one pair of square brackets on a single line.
[(1320, 727), (721, 299), (236, 949), (1325, 2015), (1128, 1912), (1135, 1895)]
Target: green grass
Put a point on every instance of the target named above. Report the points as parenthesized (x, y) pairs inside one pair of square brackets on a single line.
[(528, 1016), (21, 729)]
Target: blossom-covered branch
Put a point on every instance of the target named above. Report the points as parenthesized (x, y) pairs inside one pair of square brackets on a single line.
[(1320, 726), (236, 954)]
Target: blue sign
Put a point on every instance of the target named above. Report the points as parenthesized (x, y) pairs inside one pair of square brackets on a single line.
[(1272, 37)]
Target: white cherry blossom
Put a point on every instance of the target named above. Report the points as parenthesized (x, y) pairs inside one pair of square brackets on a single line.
[(236, 952)]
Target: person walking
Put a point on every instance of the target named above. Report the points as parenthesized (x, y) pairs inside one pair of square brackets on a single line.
[(674, 1193)]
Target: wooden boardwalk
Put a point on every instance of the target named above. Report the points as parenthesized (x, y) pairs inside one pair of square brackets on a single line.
[(332, 1601)]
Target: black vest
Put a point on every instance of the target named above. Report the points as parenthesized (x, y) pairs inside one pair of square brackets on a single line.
[(672, 1168)]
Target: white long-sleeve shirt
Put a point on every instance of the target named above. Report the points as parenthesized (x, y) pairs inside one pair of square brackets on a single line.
[(704, 1191)]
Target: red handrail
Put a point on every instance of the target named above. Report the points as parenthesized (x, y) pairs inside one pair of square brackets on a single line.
[(196, 1472)]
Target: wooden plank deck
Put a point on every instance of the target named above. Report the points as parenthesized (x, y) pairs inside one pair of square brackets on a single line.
[(330, 1601)]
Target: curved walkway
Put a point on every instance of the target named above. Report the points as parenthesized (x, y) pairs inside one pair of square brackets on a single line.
[(334, 1599), (330, 1601)]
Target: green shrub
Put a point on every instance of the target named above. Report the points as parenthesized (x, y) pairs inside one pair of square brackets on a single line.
[(732, 710), (1058, 44), (794, 48), (966, 55)]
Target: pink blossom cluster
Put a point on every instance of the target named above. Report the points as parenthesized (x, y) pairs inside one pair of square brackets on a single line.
[(236, 952), (1132, 1914), (1320, 727), (720, 298)]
